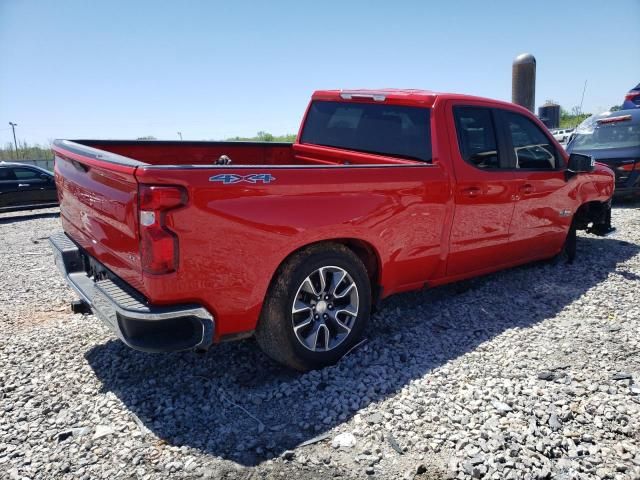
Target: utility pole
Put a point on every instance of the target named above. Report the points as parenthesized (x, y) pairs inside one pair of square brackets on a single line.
[(180, 135), (15, 142), (582, 99)]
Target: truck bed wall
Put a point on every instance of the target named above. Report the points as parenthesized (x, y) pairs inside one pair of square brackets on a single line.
[(241, 153), (197, 153)]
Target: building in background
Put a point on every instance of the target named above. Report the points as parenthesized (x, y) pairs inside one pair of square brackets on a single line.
[(523, 81), (549, 114)]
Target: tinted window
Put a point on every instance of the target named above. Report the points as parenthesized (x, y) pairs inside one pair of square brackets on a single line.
[(6, 174), (477, 136), (600, 136), (391, 130), (26, 173), (531, 146)]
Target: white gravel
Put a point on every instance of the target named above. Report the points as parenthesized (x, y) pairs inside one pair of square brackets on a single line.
[(531, 373)]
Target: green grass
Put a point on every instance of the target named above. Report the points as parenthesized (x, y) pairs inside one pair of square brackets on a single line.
[(265, 137), (572, 121)]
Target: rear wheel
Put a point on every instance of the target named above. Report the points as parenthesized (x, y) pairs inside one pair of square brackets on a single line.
[(316, 308)]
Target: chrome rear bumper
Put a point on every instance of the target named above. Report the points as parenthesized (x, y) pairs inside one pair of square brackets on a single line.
[(139, 325)]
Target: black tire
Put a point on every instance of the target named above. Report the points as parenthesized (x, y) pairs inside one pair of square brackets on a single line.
[(275, 332)]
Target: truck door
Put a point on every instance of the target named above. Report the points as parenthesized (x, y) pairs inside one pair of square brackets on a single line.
[(542, 212), (484, 192)]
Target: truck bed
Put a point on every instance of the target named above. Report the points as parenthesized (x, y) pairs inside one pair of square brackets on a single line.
[(267, 196), (177, 153)]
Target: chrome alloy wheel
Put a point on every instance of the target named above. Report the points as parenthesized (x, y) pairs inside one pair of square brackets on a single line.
[(324, 309)]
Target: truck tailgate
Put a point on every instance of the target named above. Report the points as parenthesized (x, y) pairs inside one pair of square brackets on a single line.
[(99, 206)]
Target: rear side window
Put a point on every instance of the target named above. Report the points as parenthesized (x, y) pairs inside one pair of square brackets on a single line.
[(391, 130), (601, 136), (6, 174), (532, 148), (477, 136)]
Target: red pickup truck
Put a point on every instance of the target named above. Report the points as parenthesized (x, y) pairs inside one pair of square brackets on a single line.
[(179, 245)]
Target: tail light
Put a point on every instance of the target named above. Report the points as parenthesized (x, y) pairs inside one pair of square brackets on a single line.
[(620, 118), (158, 244), (629, 167)]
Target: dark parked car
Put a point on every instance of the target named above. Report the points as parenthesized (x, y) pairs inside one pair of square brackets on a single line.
[(613, 138), (632, 99), (26, 187)]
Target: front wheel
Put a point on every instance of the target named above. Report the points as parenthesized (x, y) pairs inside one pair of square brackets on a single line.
[(316, 308)]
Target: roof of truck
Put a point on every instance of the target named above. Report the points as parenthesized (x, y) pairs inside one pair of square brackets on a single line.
[(379, 93), (406, 96)]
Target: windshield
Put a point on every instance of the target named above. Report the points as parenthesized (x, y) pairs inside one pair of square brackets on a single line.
[(391, 130), (592, 135)]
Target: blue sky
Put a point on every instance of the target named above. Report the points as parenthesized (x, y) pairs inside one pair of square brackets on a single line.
[(123, 69)]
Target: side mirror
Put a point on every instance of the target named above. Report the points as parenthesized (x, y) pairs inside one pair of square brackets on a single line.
[(579, 163), (45, 177)]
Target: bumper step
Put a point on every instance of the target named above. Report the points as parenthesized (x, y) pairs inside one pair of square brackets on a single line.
[(137, 323)]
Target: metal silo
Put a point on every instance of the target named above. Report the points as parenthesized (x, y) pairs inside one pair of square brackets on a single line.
[(549, 114), (523, 81)]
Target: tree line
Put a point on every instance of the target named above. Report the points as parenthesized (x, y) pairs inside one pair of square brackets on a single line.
[(25, 152)]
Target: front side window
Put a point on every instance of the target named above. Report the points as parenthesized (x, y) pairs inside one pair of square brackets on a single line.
[(477, 136), (25, 174), (532, 148), (390, 130)]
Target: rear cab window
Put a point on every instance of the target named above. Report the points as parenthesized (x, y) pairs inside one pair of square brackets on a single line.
[(390, 130), (617, 131)]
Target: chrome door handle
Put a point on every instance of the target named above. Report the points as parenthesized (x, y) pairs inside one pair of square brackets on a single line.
[(24, 185)]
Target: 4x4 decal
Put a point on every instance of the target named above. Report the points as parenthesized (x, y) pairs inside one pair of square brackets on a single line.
[(229, 178)]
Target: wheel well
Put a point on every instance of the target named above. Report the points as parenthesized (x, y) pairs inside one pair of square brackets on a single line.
[(365, 252), (371, 261), (591, 212)]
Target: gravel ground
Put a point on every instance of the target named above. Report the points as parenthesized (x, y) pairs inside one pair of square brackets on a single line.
[(530, 373)]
